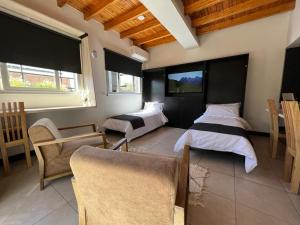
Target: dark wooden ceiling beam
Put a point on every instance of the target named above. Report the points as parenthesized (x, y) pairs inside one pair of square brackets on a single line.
[(152, 37), (231, 11), (199, 5), (247, 18), (160, 41), (125, 17), (94, 11), (61, 3), (140, 28)]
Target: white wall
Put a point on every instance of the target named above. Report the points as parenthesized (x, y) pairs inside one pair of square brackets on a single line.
[(99, 39), (265, 40), (294, 29)]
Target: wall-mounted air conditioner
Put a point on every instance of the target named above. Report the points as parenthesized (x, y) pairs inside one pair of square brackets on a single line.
[(139, 54)]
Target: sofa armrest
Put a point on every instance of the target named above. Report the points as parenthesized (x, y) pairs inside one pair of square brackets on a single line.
[(122, 143), (68, 139), (80, 206)]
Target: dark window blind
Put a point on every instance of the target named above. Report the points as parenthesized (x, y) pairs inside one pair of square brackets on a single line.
[(122, 64), (26, 43)]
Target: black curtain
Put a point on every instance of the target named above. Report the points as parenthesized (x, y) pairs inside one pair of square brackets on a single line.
[(122, 64), (26, 43)]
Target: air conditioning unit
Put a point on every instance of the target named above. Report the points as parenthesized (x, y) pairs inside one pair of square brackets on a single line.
[(139, 54)]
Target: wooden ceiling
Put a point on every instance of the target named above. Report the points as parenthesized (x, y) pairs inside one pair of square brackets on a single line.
[(122, 16), (206, 16), (212, 15)]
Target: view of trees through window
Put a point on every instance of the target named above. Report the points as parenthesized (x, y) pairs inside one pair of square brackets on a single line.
[(28, 77), (31, 77), (123, 83)]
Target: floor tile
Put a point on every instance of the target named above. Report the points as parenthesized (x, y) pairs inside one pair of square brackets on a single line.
[(220, 184), (296, 201), (34, 206), (64, 215), (64, 187), (73, 204), (218, 161), (259, 175), (265, 199), (216, 211), (248, 216)]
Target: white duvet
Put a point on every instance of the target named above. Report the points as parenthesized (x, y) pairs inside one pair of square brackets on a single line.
[(218, 141), (152, 118)]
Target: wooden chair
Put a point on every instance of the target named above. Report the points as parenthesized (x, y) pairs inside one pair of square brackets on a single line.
[(274, 127), (292, 155), (13, 131), (54, 152)]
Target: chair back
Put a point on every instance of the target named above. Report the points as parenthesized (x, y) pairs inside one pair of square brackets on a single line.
[(295, 113), (274, 127), (45, 130), (124, 187), (289, 112), (13, 122)]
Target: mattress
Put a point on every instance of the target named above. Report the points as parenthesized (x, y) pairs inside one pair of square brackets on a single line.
[(218, 141), (152, 119)]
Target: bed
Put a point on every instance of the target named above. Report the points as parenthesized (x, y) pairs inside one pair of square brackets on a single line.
[(220, 128), (136, 124)]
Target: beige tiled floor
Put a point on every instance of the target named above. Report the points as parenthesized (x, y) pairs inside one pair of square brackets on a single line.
[(231, 197)]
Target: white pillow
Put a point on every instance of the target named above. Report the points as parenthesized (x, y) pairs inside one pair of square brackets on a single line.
[(223, 110), (153, 106)]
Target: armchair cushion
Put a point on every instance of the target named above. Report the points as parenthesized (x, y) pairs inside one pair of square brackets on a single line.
[(44, 130), (47, 123), (124, 187)]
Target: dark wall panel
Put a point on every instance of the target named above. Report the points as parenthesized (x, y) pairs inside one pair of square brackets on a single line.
[(224, 82), (291, 74), (154, 85)]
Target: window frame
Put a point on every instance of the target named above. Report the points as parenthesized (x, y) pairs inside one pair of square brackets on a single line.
[(7, 88), (118, 85)]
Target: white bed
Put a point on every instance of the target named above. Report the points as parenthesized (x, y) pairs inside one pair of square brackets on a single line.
[(220, 141), (153, 118)]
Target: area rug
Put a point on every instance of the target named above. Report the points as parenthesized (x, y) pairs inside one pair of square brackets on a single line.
[(198, 175)]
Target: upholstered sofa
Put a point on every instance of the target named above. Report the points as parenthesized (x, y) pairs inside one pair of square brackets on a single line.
[(128, 188)]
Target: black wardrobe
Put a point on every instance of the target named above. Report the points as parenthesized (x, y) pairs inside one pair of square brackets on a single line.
[(291, 74), (224, 81)]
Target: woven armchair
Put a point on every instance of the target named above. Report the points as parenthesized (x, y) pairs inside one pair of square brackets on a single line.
[(54, 152)]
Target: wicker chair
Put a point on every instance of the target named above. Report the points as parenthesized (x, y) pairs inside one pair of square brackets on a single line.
[(54, 152)]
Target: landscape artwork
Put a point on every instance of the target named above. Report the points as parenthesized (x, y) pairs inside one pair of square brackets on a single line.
[(187, 82)]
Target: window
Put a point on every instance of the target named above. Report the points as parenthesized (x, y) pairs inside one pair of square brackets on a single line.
[(123, 83), (21, 77)]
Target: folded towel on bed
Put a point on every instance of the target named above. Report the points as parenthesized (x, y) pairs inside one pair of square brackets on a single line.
[(136, 121)]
